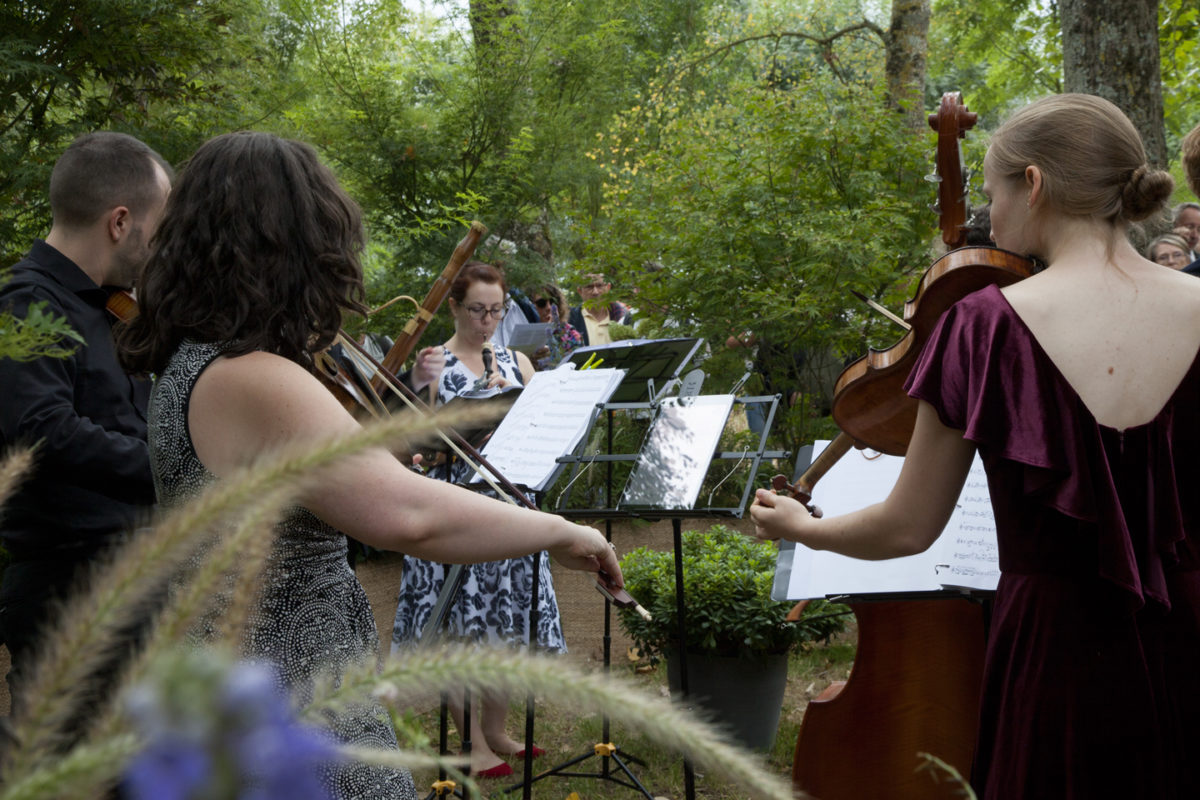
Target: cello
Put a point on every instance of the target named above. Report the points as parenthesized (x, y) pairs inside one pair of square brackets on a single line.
[(915, 683)]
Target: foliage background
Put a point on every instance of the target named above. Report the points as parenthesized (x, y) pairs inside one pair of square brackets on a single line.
[(733, 165)]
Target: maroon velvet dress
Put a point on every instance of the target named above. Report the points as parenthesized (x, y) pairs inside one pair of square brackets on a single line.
[(1092, 677)]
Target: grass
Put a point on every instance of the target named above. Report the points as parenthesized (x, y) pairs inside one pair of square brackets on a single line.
[(565, 735)]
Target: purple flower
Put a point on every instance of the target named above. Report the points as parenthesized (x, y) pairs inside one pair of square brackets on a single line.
[(563, 339), (169, 769), (216, 731)]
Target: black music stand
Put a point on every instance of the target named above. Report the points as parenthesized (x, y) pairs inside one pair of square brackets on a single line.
[(643, 362), (677, 439)]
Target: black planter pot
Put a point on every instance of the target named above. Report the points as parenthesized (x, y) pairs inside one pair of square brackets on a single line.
[(742, 695)]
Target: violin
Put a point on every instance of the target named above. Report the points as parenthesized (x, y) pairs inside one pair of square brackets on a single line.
[(122, 305)]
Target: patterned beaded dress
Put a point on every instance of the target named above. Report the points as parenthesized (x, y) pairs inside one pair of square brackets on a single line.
[(493, 605), (313, 613)]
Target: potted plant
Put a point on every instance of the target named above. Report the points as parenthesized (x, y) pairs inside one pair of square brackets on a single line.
[(738, 638)]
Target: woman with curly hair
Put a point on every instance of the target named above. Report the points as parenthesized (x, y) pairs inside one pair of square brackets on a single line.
[(254, 264)]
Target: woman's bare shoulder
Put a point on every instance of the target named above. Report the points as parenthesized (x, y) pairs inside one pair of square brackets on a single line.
[(255, 370), (265, 388)]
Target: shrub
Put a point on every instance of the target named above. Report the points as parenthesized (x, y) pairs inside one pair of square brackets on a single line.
[(727, 581)]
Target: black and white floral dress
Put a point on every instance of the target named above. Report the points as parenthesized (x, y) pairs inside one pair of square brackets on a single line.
[(313, 614), (492, 607)]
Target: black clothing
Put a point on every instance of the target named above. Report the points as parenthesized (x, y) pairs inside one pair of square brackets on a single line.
[(526, 305), (91, 480), (1193, 268)]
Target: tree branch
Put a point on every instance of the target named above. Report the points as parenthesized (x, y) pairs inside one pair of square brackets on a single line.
[(823, 41)]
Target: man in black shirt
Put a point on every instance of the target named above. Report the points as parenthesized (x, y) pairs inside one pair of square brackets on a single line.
[(86, 416)]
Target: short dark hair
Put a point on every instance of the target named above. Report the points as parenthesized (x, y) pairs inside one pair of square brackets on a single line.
[(1179, 209), (258, 248), (100, 171)]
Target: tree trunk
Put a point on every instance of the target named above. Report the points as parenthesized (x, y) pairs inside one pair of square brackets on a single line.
[(1110, 49), (492, 21), (907, 44)]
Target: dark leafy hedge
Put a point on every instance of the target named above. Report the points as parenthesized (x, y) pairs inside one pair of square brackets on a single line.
[(727, 581)]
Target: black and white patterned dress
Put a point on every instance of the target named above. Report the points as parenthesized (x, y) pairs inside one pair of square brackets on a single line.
[(492, 607), (313, 613)]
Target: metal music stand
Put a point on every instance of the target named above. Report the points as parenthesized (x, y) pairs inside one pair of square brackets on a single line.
[(644, 361), (648, 496)]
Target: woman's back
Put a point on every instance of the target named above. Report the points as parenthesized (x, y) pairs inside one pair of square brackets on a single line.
[(1122, 335)]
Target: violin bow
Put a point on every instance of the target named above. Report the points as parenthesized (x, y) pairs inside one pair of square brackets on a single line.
[(464, 450)]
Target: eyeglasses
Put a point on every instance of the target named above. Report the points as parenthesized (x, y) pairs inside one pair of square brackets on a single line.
[(479, 312), (542, 302), (1170, 257)]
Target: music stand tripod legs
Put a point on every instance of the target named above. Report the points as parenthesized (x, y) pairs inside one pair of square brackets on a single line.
[(434, 627), (605, 749)]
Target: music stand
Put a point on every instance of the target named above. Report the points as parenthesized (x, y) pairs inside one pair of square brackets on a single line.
[(528, 446), (684, 435), (644, 361)]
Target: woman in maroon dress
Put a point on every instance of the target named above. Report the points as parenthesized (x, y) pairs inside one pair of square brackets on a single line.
[(1080, 388)]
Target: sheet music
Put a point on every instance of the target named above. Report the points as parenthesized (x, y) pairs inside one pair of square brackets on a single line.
[(852, 483), (546, 422), (529, 336), (964, 556), (969, 555)]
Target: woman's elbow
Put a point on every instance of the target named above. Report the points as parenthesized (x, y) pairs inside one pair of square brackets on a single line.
[(911, 539)]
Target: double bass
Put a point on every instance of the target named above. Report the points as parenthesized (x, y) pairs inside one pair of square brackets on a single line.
[(917, 675)]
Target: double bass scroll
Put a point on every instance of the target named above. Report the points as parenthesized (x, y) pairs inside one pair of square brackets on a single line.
[(952, 121)]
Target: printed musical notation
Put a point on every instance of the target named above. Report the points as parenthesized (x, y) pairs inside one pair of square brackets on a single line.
[(547, 421), (964, 558)]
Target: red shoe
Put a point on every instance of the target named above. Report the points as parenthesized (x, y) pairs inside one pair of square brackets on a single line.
[(501, 770), (537, 751)]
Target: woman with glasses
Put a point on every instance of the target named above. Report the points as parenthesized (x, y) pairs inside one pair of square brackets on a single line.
[(1170, 250), (492, 607)]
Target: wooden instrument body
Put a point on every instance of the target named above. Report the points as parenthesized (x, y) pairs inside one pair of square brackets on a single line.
[(122, 305), (869, 402), (918, 671), (914, 688)]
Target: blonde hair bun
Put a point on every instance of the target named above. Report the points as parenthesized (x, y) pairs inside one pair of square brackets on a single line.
[(1090, 155), (1145, 193)]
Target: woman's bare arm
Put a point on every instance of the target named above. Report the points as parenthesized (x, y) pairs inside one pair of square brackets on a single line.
[(907, 522), (245, 406)]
